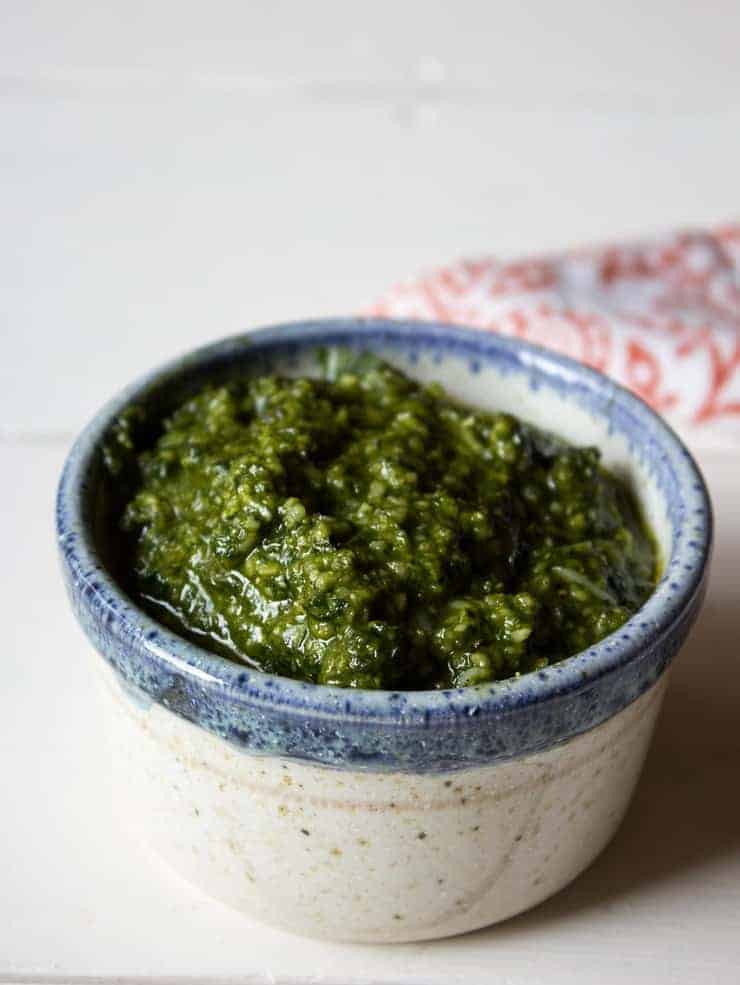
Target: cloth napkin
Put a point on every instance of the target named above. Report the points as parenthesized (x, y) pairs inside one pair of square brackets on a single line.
[(661, 317)]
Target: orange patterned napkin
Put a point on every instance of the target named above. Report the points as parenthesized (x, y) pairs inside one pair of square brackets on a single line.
[(662, 317)]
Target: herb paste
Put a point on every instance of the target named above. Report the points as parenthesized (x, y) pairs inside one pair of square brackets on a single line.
[(364, 530)]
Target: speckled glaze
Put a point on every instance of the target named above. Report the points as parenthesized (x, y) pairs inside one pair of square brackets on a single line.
[(428, 813)]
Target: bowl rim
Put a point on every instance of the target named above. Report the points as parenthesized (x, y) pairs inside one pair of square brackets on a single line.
[(676, 592)]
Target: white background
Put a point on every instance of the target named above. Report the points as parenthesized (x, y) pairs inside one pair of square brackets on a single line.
[(172, 172)]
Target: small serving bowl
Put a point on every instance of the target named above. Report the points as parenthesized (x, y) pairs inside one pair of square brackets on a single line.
[(374, 815)]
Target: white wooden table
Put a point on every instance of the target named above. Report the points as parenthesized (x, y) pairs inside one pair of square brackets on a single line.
[(169, 174)]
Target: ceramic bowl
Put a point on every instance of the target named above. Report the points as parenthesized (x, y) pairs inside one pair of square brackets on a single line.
[(383, 816)]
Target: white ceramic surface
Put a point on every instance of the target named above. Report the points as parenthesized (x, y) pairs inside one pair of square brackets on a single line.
[(374, 857)]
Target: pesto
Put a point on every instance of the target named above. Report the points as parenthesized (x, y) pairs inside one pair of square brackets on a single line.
[(364, 530)]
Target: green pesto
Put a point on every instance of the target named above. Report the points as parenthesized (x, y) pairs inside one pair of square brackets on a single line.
[(364, 530)]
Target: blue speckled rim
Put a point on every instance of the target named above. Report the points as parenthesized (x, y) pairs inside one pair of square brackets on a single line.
[(421, 730)]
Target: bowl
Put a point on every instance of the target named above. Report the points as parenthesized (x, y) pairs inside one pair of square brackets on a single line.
[(373, 815)]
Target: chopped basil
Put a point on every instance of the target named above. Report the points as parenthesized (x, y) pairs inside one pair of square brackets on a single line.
[(364, 530)]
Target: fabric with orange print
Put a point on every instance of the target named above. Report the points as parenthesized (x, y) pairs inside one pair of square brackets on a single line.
[(662, 317)]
